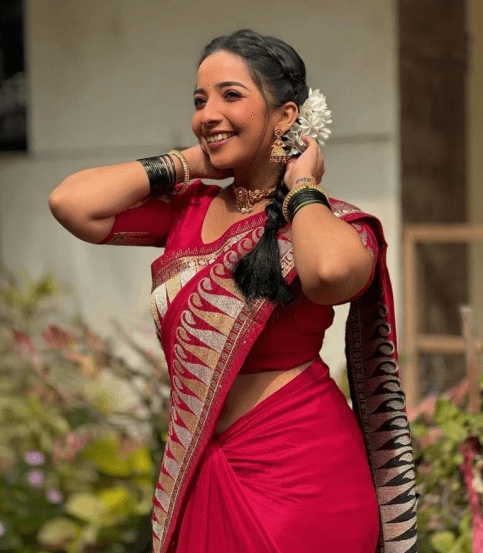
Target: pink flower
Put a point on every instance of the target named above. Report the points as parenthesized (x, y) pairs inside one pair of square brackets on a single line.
[(34, 458), (54, 496), (56, 337), (67, 449), (35, 478), (22, 343)]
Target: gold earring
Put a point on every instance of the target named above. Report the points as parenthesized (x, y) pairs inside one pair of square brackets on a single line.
[(278, 154)]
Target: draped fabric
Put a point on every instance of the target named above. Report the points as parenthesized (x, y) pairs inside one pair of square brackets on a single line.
[(289, 476), (379, 402), (207, 330)]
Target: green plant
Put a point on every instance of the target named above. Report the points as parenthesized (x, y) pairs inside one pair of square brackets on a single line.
[(82, 429), (444, 514)]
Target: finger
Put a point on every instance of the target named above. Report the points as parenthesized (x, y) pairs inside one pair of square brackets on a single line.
[(312, 148), (307, 139), (309, 142)]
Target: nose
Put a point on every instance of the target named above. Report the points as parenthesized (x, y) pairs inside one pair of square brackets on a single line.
[(211, 113)]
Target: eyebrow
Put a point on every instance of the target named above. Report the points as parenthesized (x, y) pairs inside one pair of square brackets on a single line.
[(223, 84)]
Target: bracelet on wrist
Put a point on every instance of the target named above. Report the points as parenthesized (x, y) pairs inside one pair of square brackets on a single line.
[(171, 166), (160, 173), (186, 172), (302, 195)]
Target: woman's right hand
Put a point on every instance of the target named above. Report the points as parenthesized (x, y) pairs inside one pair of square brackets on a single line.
[(200, 166)]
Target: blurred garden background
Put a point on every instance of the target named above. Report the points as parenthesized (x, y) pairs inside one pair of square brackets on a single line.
[(83, 387)]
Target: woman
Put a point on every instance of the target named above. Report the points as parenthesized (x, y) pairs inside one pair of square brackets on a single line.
[(263, 452)]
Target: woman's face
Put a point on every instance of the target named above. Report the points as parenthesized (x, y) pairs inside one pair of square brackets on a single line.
[(232, 121)]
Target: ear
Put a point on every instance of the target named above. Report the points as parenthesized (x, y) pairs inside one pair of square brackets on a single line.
[(288, 114)]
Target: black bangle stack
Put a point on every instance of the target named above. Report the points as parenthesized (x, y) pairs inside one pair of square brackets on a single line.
[(161, 172), (303, 195)]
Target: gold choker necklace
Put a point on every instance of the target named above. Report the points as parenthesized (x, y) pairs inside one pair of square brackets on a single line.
[(245, 198)]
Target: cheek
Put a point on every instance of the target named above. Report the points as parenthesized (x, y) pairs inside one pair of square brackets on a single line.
[(248, 118), (195, 125), (244, 117), (247, 114)]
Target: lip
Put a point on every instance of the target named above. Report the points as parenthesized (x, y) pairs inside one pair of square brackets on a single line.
[(219, 138)]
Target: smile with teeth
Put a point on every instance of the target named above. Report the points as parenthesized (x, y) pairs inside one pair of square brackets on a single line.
[(219, 137)]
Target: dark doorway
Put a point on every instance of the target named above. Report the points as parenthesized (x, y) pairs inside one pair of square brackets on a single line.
[(13, 79)]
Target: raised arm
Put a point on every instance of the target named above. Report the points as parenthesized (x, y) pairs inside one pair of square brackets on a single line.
[(330, 258), (86, 202)]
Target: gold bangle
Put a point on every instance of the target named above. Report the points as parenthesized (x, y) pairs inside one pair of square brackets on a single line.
[(186, 171), (294, 191)]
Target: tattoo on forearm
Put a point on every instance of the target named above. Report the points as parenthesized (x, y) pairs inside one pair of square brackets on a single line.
[(304, 179)]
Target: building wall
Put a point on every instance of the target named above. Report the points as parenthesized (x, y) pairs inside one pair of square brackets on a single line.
[(475, 157), (434, 184), (113, 80), (433, 72)]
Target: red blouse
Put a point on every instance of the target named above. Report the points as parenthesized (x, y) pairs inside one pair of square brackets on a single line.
[(294, 332)]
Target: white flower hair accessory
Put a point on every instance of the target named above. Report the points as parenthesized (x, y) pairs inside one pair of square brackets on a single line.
[(312, 121)]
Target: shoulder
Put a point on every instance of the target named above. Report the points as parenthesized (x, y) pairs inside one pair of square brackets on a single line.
[(368, 226), (196, 194), (344, 209), (353, 215), (199, 188)]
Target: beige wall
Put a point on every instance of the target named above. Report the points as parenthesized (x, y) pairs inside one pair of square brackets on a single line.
[(475, 157), (122, 72), (113, 80)]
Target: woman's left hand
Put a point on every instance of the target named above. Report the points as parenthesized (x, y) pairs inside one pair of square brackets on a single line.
[(310, 164)]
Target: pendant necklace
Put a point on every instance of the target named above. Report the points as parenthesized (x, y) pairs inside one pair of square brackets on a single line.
[(246, 198)]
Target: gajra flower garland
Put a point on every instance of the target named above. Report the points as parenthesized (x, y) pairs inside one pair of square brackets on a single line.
[(314, 116)]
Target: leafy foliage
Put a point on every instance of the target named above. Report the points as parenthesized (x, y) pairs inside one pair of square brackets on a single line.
[(82, 429), (440, 430)]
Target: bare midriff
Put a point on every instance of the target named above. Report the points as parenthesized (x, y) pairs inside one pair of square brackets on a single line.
[(248, 390)]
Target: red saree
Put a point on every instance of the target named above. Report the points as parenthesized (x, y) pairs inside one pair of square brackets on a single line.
[(207, 330), (289, 476)]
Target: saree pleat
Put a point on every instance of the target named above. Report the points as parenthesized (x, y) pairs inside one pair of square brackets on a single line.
[(291, 475)]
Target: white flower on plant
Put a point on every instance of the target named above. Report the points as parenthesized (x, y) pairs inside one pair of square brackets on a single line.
[(314, 116)]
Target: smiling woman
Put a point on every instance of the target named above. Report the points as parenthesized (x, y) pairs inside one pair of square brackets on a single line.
[(233, 122), (263, 452)]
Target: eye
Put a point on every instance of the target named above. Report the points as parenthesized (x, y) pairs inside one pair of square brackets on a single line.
[(199, 102), (232, 95)]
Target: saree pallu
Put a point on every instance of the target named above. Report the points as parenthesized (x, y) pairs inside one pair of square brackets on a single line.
[(289, 476)]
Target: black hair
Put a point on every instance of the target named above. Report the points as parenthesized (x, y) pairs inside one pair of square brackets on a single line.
[(279, 73)]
